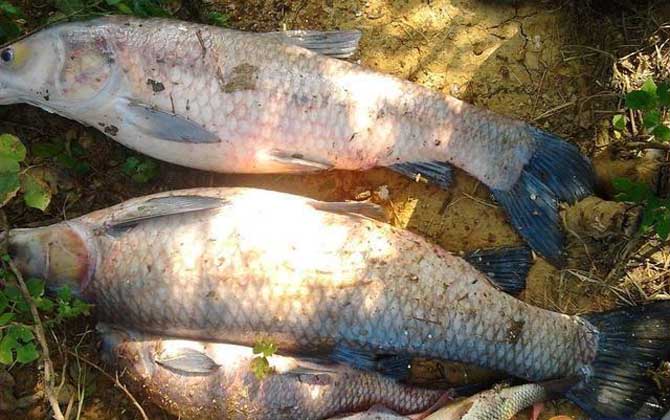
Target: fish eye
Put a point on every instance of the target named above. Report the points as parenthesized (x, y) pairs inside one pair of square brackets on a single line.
[(7, 55)]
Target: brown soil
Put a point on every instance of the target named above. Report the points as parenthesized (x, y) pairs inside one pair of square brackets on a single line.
[(546, 62)]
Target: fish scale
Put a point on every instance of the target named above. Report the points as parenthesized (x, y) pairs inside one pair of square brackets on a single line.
[(356, 283)]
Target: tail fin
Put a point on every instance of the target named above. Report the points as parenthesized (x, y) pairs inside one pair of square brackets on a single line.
[(506, 267), (556, 172), (632, 343)]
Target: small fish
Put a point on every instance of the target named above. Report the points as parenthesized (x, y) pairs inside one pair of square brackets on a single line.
[(236, 264), (201, 380), (502, 403), (229, 101)]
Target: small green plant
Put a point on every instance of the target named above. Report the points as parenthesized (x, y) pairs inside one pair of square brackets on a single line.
[(10, 19), (17, 340), (218, 19), (260, 364), (15, 178), (652, 102), (655, 210), (140, 169), (66, 153)]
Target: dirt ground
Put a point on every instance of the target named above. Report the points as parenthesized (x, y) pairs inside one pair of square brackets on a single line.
[(547, 62)]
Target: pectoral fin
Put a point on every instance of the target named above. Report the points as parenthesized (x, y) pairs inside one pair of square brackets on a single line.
[(336, 44), (187, 361), (164, 125), (369, 210), (160, 207), (296, 162)]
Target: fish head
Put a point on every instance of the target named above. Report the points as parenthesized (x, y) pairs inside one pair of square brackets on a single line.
[(58, 67), (58, 254)]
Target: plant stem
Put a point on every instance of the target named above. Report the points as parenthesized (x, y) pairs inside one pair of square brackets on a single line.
[(38, 328)]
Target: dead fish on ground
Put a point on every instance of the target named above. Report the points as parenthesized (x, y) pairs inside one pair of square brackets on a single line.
[(229, 101), (499, 403), (503, 403), (236, 264), (199, 380)]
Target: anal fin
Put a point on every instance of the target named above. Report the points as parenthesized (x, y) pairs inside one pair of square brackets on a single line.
[(187, 361), (438, 173), (506, 267), (391, 365)]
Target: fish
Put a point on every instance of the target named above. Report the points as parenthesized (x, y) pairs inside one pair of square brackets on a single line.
[(237, 102), (198, 380), (502, 403), (499, 403), (331, 280)]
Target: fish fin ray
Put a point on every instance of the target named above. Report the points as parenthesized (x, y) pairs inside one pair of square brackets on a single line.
[(336, 44), (161, 207), (187, 361), (506, 267), (394, 366), (632, 342), (164, 125), (557, 171), (296, 162), (438, 173), (369, 210)]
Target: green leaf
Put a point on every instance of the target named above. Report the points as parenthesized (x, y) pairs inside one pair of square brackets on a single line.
[(260, 366), (27, 353), (651, 119), (113, 2), (635, 192), (9, 8), (69, 7), (638, 99), (12, 148), (8, 29), (9, 186), (35, 287), (663, 93), (662, 132), (6, 318), (4, 302), (7, 344), (650, 87), (619, 122), (265, 347), (44, 304), (64, 294), (47, 150), (662, 226), (130, 165), (20, 333), (8, 165), (218, 19), (36, 192)]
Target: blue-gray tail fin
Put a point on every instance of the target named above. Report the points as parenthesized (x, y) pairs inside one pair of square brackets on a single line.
[(632, 343), (556, 172), (506, 267)]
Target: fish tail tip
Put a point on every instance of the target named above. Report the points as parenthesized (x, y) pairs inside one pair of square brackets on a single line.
[(556, 172), (633, 342)]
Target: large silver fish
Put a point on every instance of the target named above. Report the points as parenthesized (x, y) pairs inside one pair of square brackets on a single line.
[(242, 264), (230, 101), (198, 380)]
